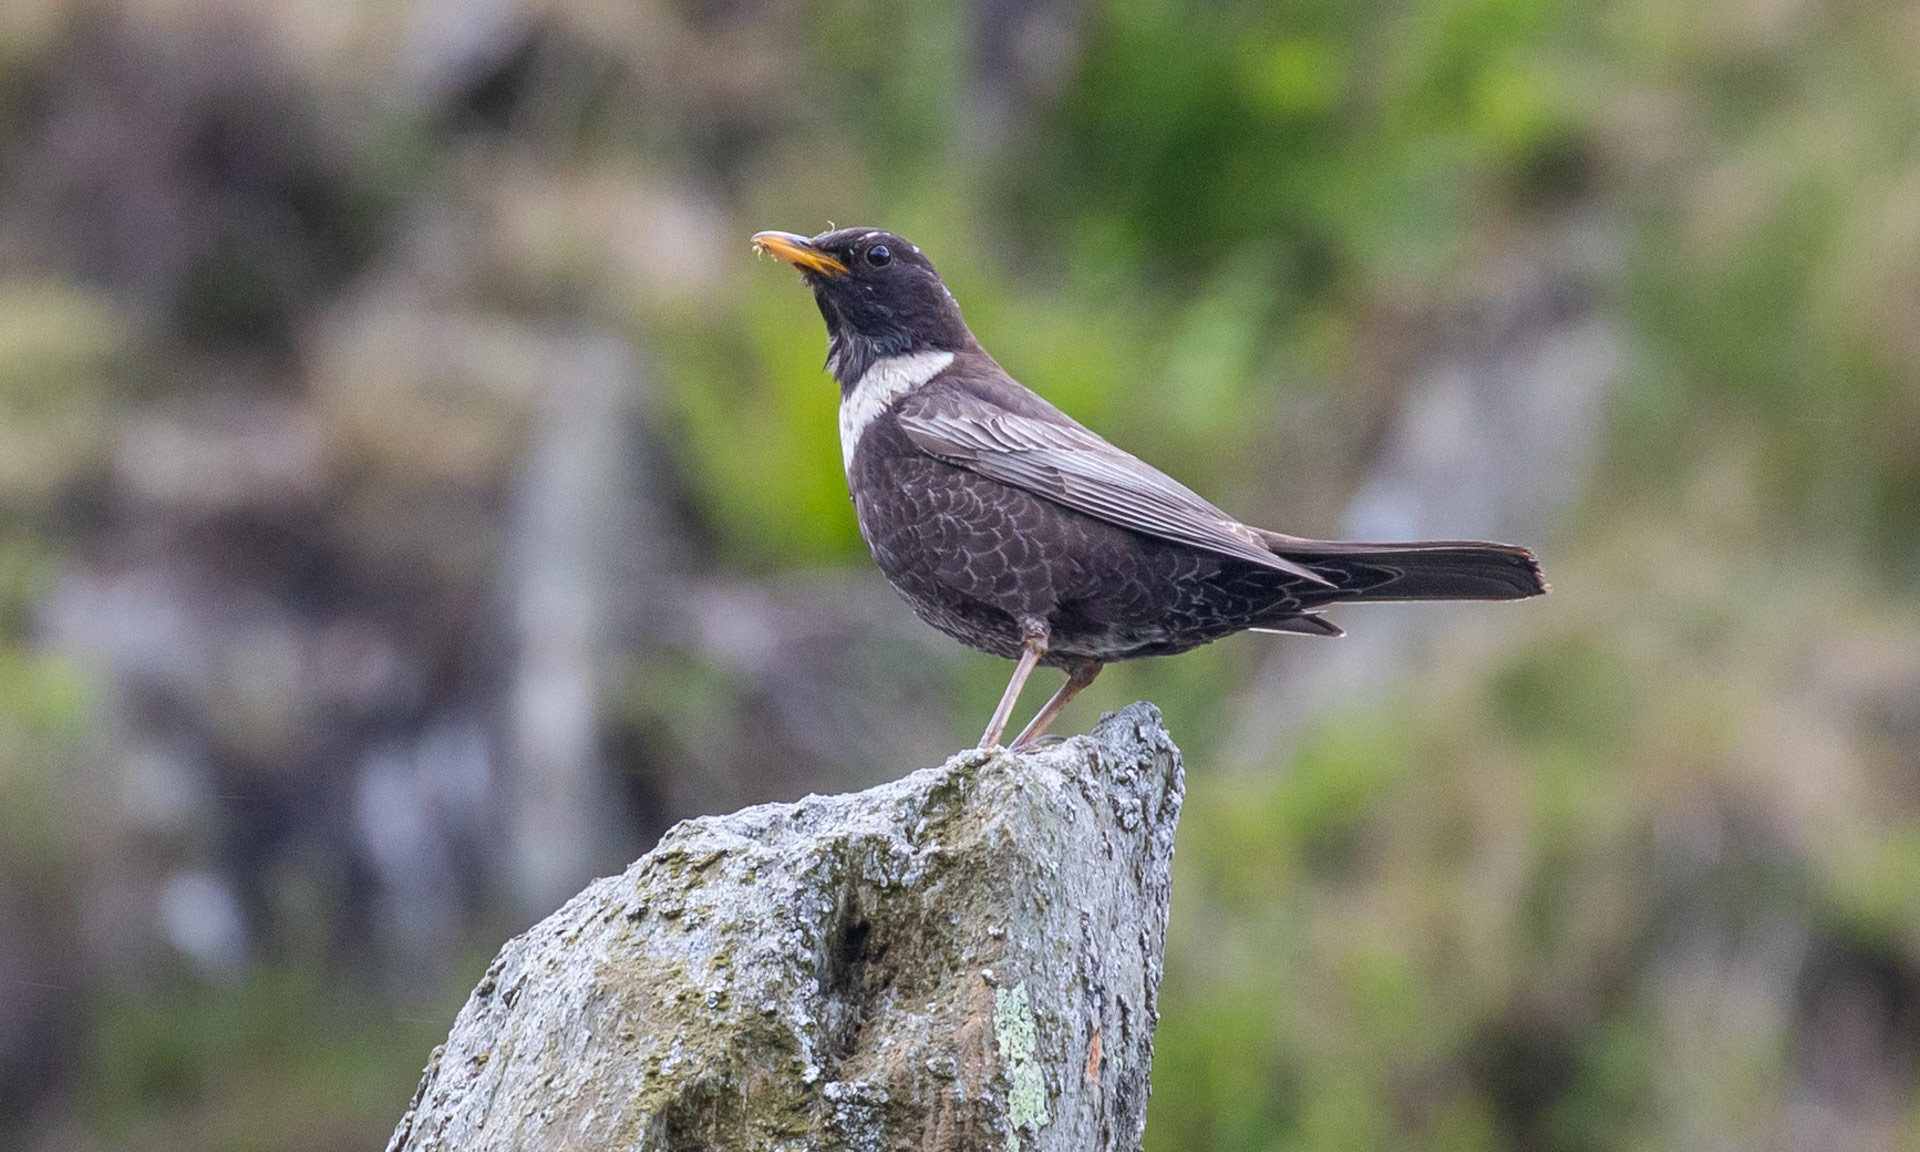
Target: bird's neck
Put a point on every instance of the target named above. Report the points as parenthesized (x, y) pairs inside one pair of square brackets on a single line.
[(850, 353)]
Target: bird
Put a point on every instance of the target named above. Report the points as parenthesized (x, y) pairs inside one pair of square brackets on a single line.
[(1014, 529)]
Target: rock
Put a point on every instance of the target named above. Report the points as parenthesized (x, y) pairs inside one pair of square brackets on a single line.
[(967, 958)]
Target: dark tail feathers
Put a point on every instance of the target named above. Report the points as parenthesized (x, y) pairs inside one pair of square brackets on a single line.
[(1425, 570)]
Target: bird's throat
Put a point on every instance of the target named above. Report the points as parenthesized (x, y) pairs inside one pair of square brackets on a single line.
[(850, 354)]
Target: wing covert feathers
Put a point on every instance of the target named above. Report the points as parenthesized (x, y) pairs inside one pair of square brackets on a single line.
[(1075, 467)]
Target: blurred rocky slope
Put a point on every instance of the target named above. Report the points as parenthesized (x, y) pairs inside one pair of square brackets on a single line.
[(412, 499)]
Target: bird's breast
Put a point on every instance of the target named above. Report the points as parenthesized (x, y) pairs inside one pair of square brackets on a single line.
[(878, 389)]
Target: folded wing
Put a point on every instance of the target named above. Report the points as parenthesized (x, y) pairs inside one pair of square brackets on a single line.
[(1074, 467)]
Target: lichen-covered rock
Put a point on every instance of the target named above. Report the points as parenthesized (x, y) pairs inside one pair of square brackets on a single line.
[(964, 959)]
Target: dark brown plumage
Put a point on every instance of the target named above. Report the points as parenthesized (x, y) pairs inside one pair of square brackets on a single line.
[(1017, 531)]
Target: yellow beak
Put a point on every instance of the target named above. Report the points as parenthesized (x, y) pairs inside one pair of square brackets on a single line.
[(797, 251)]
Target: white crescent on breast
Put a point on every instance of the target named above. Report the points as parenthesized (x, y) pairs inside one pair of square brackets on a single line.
[(878, 388)]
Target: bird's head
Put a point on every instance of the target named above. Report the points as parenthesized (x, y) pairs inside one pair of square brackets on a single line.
[(878, 294)]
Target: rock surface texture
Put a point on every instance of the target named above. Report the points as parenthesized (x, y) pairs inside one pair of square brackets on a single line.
[(964, 959)]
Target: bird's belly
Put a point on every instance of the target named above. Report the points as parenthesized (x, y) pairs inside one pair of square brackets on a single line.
[(970, 556), (975, 557)]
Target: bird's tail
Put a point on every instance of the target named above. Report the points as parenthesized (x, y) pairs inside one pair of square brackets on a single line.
[(1423, 570)]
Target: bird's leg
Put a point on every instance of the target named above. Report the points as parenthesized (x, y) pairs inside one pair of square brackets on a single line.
[(1081, 676), (1031, 649)]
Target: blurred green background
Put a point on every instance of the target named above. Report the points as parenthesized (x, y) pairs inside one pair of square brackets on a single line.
[(413, 497)]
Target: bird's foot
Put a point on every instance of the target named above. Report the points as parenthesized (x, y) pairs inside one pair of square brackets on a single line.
[(1046, 741)]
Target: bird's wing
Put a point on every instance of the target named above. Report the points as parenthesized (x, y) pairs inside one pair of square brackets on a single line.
[(1072, 466)]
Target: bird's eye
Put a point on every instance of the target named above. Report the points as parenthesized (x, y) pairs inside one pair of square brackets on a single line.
[(878, 256)]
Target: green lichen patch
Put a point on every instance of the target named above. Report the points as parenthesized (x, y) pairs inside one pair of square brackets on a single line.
[(1019, 1042)]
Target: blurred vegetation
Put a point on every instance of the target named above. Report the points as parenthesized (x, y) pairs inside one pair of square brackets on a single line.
[(1536, 899), (277, 1063)]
